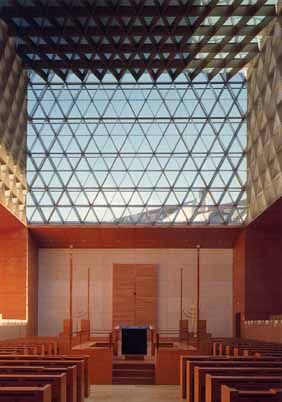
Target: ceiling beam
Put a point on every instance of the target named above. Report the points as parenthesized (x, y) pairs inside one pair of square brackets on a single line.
[(116, 64), (128, 11), (128, 48), (135, 31), (153, 36)]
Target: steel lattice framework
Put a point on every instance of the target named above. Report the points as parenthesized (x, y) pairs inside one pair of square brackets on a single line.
[(136, 153), (136, 108), (136, 36)]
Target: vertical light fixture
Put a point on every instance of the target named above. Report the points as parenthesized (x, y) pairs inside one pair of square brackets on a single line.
[(70, 293), (198, 293), (181, 301), (88, 295)]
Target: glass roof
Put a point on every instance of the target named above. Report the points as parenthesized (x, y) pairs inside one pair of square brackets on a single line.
[(165, 152)]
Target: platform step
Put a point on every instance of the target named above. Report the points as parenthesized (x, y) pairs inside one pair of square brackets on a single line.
[(133, 366), (133, 373), (133, 380)]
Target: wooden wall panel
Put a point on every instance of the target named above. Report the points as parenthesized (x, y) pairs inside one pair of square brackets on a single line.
[(257, 274), (263, 264), (146, 295), (18, 275), (100, 364), (263, 274), (93, 236), (8, 220), (32, 287), (123, 294), (239, 278), (13, 269), (264, 332), (134, 294)]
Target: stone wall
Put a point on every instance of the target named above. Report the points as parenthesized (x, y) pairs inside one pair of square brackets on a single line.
[(264, 149), (13, 127), (216, 286)]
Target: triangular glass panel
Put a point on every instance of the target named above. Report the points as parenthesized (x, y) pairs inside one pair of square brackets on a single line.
[(55, 217), (161, 142)]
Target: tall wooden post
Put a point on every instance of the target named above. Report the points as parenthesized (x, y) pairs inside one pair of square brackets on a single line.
[(198, 294), (88, 295), (181, 301), (70, 295)]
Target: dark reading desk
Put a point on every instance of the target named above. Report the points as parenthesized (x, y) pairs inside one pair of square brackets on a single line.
[(134, 340)]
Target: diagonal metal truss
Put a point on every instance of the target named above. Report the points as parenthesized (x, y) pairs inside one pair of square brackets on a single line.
[(136, 36), (128, 152)]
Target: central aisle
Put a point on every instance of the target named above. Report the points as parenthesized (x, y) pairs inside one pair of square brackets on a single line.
[(135, 393)]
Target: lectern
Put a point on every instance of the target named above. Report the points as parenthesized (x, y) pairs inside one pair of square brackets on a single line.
[(134, 340)]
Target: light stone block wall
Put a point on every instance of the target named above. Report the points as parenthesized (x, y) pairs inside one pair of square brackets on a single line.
[(13, 126), (264, 150), (216, 286)]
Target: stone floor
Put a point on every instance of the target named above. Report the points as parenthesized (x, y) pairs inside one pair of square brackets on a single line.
[(135, 393)]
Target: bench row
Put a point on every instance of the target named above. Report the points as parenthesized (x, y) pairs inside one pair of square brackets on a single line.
[(243, 371), (31, 345), (68, 376), (231, 347), (26, 394)]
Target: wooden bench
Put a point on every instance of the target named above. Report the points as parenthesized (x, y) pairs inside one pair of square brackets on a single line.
[(45, 345), (241, 363), (81, 361), (201, 372), (215, 345), (75, 368), (251, 350), (29, 350), (262, 352), (183, 368), (71, 373), (57, 382), (218, 346), (84, 359), (26, 394), (237, 347), (213, 384), (33, 349), (184, 359), (234, 395)]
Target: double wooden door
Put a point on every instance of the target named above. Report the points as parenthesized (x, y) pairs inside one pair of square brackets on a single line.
[(134, 294)]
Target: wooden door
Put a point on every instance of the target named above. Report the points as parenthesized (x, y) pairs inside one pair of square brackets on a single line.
[(123, 294), (146, 295), (134, 294)]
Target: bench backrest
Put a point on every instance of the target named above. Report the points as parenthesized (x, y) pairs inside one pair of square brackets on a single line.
[(184, 359), (233, 395), (190, 366), (70, 372), (76, 367), (201, 372), (57, 382), (213, 384), (26, 394)]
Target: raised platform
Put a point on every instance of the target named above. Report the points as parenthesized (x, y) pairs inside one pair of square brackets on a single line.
[(134, 372)]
